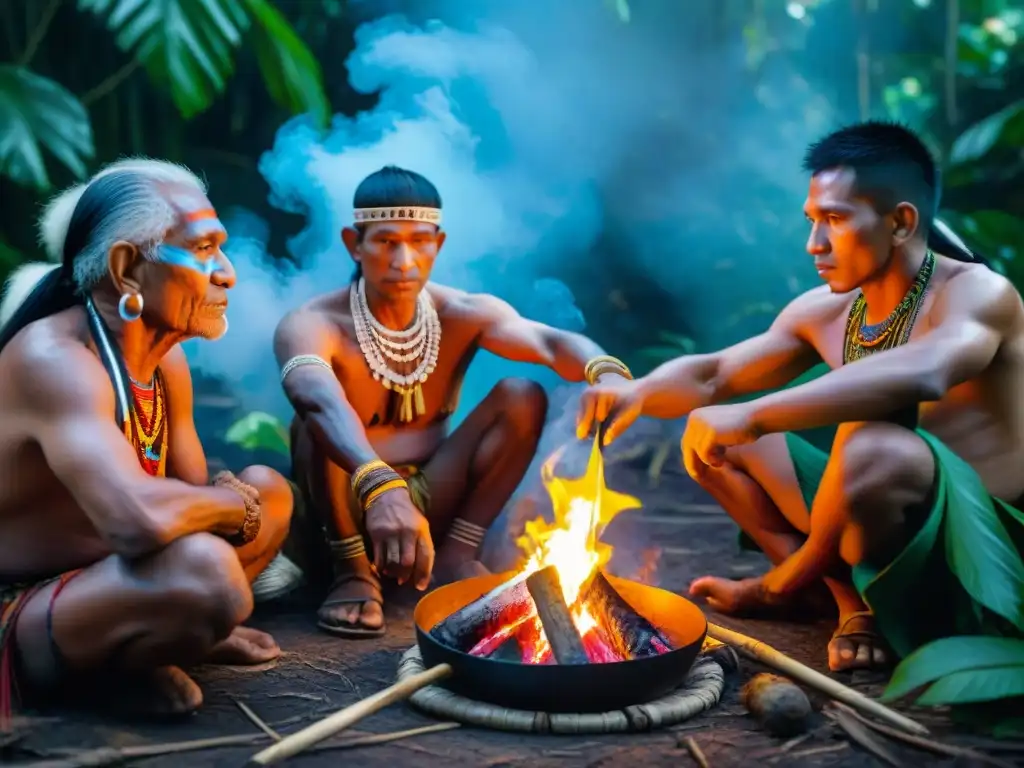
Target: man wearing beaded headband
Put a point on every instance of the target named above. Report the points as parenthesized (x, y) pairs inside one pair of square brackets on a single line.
[(926, 347), (374, 372), (120, 562)]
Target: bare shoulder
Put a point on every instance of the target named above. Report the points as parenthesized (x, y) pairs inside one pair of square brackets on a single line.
[(979, 291), (469, 307), (53, 372), (322, 317), (814, 308)]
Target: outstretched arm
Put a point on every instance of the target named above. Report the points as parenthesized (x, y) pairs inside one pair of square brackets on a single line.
[(315, 392), (507, 334), (770, 360), (73, 424), (970, 320)]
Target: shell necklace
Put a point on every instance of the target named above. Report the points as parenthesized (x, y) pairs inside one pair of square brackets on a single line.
[(379, 344)]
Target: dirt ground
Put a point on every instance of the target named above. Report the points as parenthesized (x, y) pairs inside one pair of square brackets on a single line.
[(319, 674)]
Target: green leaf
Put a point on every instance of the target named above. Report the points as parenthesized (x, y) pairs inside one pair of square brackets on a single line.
[(259, 431), (978, 547), (1005, 126), (186, 46), (952, 656), (975, 685), (289, 68), (37, 113)]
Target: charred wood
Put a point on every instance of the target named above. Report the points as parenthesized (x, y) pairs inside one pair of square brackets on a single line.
[(509, 603), (559, 627), (631, 635)]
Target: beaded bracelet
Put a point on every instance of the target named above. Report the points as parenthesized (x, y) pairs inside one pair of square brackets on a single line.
[(603, 364), (253, 520), (372, 480)]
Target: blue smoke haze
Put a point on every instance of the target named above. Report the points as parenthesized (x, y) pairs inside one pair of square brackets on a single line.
[(535, 134), (542, 125)]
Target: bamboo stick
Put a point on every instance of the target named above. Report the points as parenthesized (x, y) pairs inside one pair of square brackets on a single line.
[(291, 745), (833, 688)]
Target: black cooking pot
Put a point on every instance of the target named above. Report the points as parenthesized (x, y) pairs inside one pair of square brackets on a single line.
[(570, 688)]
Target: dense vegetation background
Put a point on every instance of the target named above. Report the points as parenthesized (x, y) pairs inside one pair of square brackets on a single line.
[(210, 82)]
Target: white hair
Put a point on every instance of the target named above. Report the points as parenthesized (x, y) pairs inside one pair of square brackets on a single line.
[(20, 284), (139, 214)]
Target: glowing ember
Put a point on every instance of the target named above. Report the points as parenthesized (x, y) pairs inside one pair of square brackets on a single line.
[(571, 543)]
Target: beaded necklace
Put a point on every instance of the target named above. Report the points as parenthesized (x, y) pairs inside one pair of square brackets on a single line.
[(420, 343), (146, 428), (861, 339)]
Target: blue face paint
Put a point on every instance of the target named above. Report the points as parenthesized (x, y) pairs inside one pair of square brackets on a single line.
[(174, 256), (205, 227)]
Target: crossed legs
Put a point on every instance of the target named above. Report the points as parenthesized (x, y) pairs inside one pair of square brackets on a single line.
[(470, 478), (132, 625), (875, 474)]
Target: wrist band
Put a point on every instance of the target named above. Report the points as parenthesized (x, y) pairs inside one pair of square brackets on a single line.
[(372, 480), (253, 520), (603, 364), (363, 470), (349, 548)]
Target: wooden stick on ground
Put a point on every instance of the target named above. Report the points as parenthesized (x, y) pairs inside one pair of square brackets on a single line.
[(257, 720), (949, 750), (384, 738), (767, 655), (559, 628), (294, 743), (696, 752), (95, 758)]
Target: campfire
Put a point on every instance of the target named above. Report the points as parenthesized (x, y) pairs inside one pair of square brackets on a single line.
[(559, 608)]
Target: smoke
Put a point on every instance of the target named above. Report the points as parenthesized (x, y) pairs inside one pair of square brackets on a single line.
[(641, 163), (545, 127)]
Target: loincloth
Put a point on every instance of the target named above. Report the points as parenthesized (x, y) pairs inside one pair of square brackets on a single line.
[(936, 562), (13, 599)]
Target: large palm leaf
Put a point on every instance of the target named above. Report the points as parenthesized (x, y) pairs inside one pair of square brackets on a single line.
[(37, 113), (188, 47)]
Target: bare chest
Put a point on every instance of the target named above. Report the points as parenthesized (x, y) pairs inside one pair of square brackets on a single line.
[(981, 419), (830, 338), (380, 405)]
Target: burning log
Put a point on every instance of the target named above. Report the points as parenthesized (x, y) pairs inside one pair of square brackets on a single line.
[(632, 636), (506, 605), (559, 627), (510, 650)]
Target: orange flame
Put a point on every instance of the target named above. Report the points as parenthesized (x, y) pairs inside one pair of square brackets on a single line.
[(571, 542)]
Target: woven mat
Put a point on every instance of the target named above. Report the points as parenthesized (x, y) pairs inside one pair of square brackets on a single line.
[(700, 691)]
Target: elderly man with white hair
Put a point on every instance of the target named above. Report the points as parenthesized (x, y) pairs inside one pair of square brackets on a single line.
[(120, 561)]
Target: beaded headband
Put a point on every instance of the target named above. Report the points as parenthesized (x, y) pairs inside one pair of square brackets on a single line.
[(408, 213)]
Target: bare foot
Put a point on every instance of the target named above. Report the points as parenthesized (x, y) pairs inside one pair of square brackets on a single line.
[(244, 647), (856, 644), (730, 596)]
